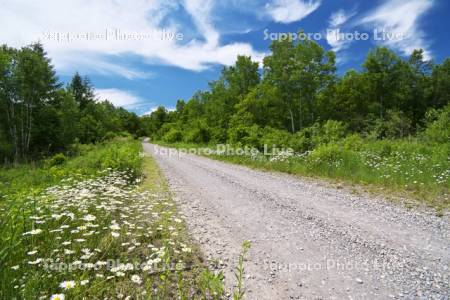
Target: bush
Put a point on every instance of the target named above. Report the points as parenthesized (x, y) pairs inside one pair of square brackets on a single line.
[(438, 126), (328, 156), (271, 137), (330, 131), (245, 135), (198, 135), (173, 136), (56, 160), (311, 137)]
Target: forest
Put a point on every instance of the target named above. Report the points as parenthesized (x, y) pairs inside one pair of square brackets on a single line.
[(298, 95), (39, 116)]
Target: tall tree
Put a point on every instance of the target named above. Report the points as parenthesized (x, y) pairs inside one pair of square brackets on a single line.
[(82, 90)]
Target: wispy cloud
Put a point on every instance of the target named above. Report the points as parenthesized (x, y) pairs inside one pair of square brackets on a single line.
[(120, 98), (288, 11), (336, 21), (402, 18), (24, 22), (339, 17)]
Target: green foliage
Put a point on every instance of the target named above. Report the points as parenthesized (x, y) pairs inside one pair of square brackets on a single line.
[(239, 292), (438, 129), (38, 117), (172, 136), (56, 160)]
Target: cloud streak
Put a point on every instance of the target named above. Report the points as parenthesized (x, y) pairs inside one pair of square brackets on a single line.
[(402, 18), (288, 11), (24, 22)]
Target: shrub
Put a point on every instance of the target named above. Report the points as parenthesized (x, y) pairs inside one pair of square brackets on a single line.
[(56, 160), (330, 131), (109, 136), (328, 156), (173, 136), (438, 126), (271, 136), (245, 135)]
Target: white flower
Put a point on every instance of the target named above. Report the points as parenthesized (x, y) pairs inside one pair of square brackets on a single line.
[(33, 232), (84, 282), (32, 252), (57, 297), (115, 234), (114, 227), (89, 218), (186, 250), (136, 279), (15, 267), (120, 274), (67, 284), (37, 261)]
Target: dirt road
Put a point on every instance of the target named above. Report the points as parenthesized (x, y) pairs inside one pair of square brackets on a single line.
[(309, 240)]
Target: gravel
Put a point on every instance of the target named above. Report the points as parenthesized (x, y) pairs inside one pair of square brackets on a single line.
[(310, 240)]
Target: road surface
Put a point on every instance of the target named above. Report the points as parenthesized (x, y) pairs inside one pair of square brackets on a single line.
[(310, 240)]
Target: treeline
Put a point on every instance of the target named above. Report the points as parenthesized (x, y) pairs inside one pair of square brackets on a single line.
[(298, 98), (39, 116)]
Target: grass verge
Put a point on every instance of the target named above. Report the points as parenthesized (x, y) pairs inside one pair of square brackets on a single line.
[(101, 225), (392, 168)]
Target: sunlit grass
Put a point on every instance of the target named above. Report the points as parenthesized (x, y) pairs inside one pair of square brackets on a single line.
[(408, 168), (94, 228)]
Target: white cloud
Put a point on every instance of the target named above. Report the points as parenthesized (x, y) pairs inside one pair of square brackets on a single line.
[(401, 18), (154, 108), (334, 33), (24, 22), (339, 17), (288, 11), (122, 98)]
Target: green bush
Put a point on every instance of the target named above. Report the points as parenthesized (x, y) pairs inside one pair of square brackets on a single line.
[(56, 160), (329, 156), (271, 136), (173, 136), (438, 128)]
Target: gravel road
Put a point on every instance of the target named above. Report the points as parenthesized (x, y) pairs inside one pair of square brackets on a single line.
[(310, 240)]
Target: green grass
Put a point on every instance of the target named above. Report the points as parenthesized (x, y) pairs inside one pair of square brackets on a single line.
[(406, 168), (100, 225)]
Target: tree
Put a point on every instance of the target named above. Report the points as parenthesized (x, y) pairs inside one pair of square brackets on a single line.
[(81, 90), (300, 71)]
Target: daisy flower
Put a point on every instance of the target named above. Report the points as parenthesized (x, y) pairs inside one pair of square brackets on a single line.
[(67, 284)]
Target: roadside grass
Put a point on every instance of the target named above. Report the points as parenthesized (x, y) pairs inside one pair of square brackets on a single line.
[(99, 225), (406, 169)]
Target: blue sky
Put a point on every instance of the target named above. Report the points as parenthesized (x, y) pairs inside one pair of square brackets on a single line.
[(144, 69)]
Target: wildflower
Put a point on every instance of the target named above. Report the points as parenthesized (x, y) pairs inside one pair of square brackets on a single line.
[(15, 267), (32, 252), (84, 282), (136, 279), (67, 284), (33, 232), (57, 297), (89, 218), (35, 262), (115, 234), (114, 227), (186, 250)]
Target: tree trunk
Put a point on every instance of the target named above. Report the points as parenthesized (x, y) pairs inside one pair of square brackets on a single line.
[(292, 120)]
